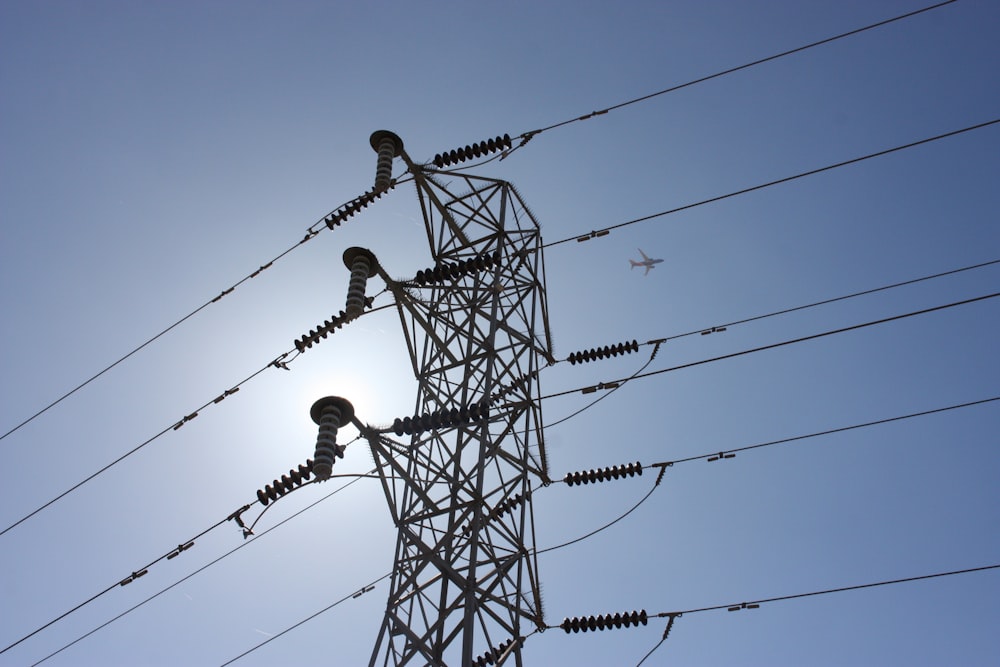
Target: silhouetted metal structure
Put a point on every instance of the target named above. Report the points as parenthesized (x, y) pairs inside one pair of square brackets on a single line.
[(464, 588)]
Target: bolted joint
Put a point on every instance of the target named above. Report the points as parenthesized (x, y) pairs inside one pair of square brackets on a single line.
[(330, 413)]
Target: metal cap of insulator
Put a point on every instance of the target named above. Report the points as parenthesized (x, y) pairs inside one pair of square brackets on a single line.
[(351, 253), (388, 146), (330, 413)]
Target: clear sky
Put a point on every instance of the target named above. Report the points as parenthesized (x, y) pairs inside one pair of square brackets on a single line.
[(153, 155)]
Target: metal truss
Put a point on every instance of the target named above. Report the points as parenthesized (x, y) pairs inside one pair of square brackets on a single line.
[(465, 588)]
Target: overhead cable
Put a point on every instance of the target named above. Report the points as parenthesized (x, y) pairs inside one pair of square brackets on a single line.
[(330, 220), (527, 136), (604, 231), (722, 327), (350, 596), (755, 604), (789, 342), (281, 361), (252, 539)]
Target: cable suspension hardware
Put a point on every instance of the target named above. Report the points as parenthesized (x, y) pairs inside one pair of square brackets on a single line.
[(353, 207), (494, 655), (443, 418), (289, 482), (388, 146), (595, 476), (602, 352), (328, 327), (330, 413), (516, 385), (447, 271), (508, 505), (473, 151), (604, 622)]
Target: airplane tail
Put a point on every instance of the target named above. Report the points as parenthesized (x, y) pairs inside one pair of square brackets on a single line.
[(634, 264)]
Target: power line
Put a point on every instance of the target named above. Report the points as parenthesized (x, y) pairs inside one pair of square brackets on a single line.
[(596, 476), (356, 594), (661, 465), (281, 361), (604, 231), (198, 571), (330, 220), (784, 311), (704, 456), (754, 604), (789, 342), (823, 302), (527, 136), (841, 429), (642, 500)]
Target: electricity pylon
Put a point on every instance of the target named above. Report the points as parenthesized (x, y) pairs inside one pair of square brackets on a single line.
[(464, 589)]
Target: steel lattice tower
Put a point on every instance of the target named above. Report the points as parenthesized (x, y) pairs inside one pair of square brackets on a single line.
[(465, 580)]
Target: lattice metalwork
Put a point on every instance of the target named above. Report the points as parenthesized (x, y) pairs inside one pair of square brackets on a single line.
[(464, 588)]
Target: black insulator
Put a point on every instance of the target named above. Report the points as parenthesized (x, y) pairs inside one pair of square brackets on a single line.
[(425, 423), (463, 415), (262, 497), (407, 426), (472, 151), (602, 352), (269, 490), (601, 475), (295, 476)]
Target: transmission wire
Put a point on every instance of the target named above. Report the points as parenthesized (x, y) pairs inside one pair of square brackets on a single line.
[(782, 598), (311, 233), (364, 589), (811, 172), (527, 136), (280, 361), (794, 340), (201, 569)]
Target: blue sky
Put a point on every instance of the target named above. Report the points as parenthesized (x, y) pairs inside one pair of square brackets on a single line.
[(154, 155)]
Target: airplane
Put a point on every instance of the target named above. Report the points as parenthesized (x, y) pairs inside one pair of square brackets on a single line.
[(646, 262)]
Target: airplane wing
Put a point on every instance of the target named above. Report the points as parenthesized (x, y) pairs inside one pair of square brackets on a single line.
[(643, 254), (648, 267)]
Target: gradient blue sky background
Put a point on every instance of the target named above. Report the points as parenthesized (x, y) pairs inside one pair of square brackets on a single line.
[(154, 154)]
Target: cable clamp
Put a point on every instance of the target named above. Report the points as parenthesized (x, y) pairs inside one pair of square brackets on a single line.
[(132, 577), (744, 605), (185, 420), (593, 235), (670, 623), (364, 590), (663, 471), (713, 330), (223, 395), (721, 455), (180, 549)]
